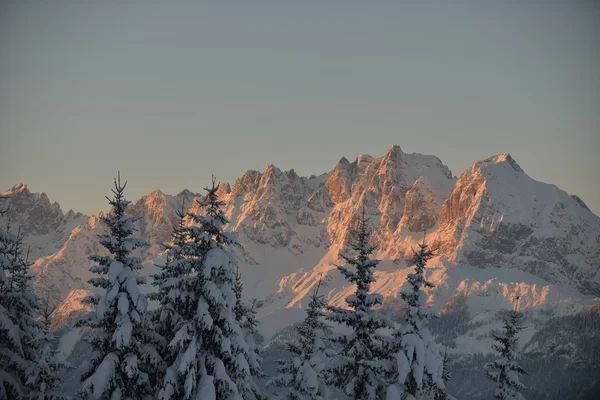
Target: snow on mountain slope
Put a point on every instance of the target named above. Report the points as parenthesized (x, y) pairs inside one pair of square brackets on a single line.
[(498, 216), (66, 270), (45, 226), (495, 228), (401, 192)]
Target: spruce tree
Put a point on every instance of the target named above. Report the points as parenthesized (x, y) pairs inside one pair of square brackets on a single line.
[(124, 355), (362, 367), (418, 372), (43, 376), (19, 328), (440, 393), (211, 354), (245, 315), (168, 315), (302, 374), (505, 371)]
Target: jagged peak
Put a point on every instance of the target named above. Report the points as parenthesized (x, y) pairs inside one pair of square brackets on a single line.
[(247, 182), (394, 150), (343, 161), (270, 175), (498, 159), (364, 158), (251, 173), (271, 169), (19, 187), (293, 173), (156, 192), (223, 188), (155, 195), (185, 193)]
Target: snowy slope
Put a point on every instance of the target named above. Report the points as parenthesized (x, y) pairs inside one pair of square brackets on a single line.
[(499, 216), (43, 223), (497, 232)]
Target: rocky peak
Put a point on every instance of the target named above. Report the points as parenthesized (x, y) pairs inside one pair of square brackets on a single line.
[(498, 216), (421, 206), (19, 187), (393, 154), (186, 197), (497, 159), (340, 181), (223, 189), (270, 177), (248, 183), (32, 212)]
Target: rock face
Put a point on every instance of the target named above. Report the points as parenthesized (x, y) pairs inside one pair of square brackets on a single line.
[(42, 222), (498, 216), (292, 228)]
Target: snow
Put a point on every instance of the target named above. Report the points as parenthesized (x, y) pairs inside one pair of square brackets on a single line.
[(67, 343), (123, 304), (122, 335), (101, 380), (393, 393), (207, 390)]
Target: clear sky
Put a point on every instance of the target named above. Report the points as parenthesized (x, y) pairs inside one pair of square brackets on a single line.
[(171, 93)]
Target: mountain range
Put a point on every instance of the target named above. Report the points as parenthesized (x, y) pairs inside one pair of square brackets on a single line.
[(498, 235)]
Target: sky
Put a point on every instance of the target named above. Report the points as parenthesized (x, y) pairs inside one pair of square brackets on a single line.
[(172, 93)]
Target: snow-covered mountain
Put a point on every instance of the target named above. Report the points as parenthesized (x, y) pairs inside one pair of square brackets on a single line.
[(44, 223), (498, 216), (497, 233)]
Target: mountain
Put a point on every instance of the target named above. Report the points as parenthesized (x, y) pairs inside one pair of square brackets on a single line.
[(497, 234), (498, 216), (44, 223)]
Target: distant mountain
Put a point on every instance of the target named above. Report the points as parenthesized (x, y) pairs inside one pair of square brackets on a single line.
[(496, 232)]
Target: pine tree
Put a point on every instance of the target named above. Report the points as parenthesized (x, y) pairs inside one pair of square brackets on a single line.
[(18, 309), (418, 370), (301, 374), (123, 352), (363, 365), (246, 317), (505, 371), (28, 364), (43, 374), (167, 316), (211, 353), (439, 392)]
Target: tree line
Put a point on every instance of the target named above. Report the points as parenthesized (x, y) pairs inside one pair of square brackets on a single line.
[(200, 342)]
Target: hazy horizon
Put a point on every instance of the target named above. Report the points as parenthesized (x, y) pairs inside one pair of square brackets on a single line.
[(190, 90)]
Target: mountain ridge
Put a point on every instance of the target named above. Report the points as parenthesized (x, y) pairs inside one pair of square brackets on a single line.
[(492, 217)]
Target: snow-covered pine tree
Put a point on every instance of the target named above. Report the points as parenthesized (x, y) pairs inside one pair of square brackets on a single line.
[(28, 366), (210, 346), (12, 364), (418, 372), (361, 370), (170, 302), (124, 354), (440, 393), (505, 371), (18, 310), (302, 374), (245, 315), (43, 376)]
